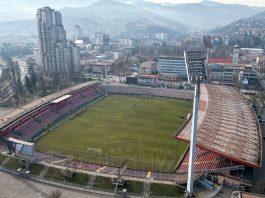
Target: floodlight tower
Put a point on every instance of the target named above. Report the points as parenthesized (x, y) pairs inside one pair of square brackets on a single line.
[(208, 46), (105, 67), (196, 71)]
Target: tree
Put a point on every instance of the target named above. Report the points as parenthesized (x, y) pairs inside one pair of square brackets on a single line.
[(33, 79), (16, 78), (42, 87), (56, 194), (28, 84), (32, 75)]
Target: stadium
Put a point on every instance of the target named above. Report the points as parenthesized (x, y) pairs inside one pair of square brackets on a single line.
[(85, 127)]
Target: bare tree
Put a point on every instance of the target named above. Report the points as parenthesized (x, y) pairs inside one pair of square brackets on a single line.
[(56, 194), (16, 77)]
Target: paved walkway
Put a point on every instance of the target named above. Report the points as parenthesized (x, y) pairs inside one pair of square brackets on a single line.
[(5, 110), (132, 178), (14, 186), (259, 173)]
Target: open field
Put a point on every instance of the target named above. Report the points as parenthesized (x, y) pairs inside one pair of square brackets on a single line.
[(2, 158), (119, 126), (166, 190)]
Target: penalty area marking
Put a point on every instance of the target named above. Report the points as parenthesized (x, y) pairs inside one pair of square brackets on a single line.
[(148, 174), (94, 150), (55, 162), (100, 169), (112, 172)]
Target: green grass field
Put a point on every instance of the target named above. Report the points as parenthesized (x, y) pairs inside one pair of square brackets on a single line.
[(119, 126), (35, 169), (2, 158), (14, 164), (165, 190)]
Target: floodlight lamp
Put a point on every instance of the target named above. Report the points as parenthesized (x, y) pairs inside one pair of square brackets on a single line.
[(207, 41), (195, 66)]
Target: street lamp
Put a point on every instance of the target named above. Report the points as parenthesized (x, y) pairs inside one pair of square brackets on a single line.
[(196, 72)]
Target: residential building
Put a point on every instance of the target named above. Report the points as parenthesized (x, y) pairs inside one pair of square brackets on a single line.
[(114, 54), (251, 51), (82, 42), (127, 42), (148, 67), (52, 40), (168, 81), (78, 32), (54, 52), (236, 54), (101, 38), (248, 77), (159, 80), (172, 66), (224, 73), (245, 55), (99, 67), (73, 58), (147, 80), (260, 60), (162, 37)]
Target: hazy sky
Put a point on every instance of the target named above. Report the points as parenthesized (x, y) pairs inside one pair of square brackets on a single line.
[(32, 5), (260, 3)]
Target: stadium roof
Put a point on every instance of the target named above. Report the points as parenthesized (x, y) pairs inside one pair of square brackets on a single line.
[(61, 99), (20, 141), (13, 115), (227, 125)]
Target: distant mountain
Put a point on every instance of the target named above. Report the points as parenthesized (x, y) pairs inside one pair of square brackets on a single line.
[(115, 17), (202, 15), (22, 27), (136, 17), (106, 15), (254, 23)]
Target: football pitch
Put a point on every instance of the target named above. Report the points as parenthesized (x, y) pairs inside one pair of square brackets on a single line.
[(138, 129)]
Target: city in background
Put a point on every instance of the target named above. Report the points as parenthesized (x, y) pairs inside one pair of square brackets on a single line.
[(134, 43)]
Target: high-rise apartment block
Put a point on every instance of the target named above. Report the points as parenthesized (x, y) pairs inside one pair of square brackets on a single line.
[(55, 53), (101, 38)]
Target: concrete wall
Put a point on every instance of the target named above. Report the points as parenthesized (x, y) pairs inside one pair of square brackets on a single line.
[(138, 90)]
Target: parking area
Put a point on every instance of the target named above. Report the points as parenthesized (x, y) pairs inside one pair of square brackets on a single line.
[(14, 186)]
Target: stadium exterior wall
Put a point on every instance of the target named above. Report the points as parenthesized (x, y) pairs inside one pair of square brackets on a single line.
[(148, 91)]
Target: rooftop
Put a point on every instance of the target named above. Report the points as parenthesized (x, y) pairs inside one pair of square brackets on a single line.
[(172, 58), (253, 49), (220, 61), (58, 100), (227, 125), (13, 115), (20, 141), (148, 64)]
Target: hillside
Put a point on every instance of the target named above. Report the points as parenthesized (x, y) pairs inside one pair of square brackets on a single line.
[(114, 17), (202, 15), (131, 18), (254, 24)]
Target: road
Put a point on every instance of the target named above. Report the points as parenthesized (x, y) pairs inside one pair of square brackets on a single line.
[(259, 174), (14, 186), (5, 110)]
